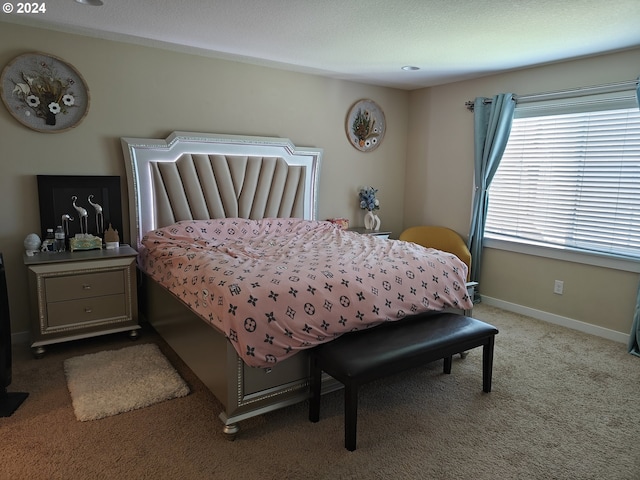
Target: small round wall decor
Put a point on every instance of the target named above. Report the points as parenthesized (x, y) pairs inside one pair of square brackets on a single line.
[(365, 125), (44, 92)]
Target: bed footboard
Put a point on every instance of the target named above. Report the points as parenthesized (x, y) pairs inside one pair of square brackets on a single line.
[(243, 391)]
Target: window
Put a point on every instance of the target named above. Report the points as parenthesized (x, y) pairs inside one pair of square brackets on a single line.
[(571, 180)]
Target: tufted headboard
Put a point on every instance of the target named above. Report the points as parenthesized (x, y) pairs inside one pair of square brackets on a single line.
[(199, 176)]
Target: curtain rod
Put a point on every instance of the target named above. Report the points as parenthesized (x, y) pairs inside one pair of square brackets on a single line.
[(570, 93)]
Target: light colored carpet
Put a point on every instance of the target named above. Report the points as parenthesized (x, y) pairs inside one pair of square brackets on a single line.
[(116, 381), (564, 405)]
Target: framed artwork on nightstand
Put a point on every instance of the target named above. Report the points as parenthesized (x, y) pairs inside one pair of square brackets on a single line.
[(91, 201)]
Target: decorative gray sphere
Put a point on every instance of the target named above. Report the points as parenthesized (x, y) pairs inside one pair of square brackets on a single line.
[(32, 242)]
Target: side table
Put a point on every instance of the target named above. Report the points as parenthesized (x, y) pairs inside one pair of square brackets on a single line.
[(364, 231), (81, 294)]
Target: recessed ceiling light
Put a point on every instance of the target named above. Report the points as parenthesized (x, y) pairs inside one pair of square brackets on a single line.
[(93, 3), (406, 67)]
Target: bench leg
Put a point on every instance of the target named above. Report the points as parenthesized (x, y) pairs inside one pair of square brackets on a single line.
[(447, 364), (487, 364), (316, 386), (350, 416)]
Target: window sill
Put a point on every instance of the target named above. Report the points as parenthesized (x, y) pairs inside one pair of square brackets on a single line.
[(565, 254)]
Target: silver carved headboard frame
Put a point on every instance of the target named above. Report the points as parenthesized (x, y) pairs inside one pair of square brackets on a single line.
[(197, 176)]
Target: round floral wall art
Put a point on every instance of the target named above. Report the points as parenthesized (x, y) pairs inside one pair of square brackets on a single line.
[(44, 92), (365, 125)]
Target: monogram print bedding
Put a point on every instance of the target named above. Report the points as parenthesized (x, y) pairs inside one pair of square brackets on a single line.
[(277, 286)]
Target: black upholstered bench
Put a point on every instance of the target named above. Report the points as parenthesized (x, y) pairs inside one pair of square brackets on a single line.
[(361, 357)]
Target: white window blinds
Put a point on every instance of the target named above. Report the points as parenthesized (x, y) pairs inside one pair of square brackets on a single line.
[(570, 180)]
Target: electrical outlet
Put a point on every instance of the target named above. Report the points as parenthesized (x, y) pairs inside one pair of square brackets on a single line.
[(558, 287)]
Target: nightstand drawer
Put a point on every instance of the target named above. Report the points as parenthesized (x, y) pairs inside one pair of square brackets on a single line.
[(73, 287), (78, 312)]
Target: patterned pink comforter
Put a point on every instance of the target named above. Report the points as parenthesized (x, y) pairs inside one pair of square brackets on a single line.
[(277, 286)]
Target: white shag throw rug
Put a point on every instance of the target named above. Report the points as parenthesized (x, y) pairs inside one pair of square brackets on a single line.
[(117, 381)]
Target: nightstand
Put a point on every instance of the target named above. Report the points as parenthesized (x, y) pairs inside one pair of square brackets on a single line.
[(364, 231), (81, 294)]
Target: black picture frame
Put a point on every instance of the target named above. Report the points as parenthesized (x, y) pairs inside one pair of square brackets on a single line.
[(55, 194)]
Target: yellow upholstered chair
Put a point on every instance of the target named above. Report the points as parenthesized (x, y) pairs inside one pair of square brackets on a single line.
[(441, 238), (447, 240)]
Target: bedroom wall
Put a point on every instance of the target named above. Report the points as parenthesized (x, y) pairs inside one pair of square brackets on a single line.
[(423, 168), (139, 91), (439, 186)]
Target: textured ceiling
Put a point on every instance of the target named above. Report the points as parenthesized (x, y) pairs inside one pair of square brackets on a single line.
[(366, 41)]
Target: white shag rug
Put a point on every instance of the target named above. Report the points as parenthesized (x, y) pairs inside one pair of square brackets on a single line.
[(117, 381)]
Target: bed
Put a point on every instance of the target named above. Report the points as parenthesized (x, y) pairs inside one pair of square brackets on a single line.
[(241, 279)]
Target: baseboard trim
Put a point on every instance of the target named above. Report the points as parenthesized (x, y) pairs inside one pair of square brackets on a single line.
[(558, 320)]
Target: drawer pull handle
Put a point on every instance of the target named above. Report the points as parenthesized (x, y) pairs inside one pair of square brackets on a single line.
[(87, 310), (86, 287)]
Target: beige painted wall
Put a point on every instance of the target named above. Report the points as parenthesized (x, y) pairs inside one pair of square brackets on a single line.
[(423, 168), (146, 92), (439, 188)]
